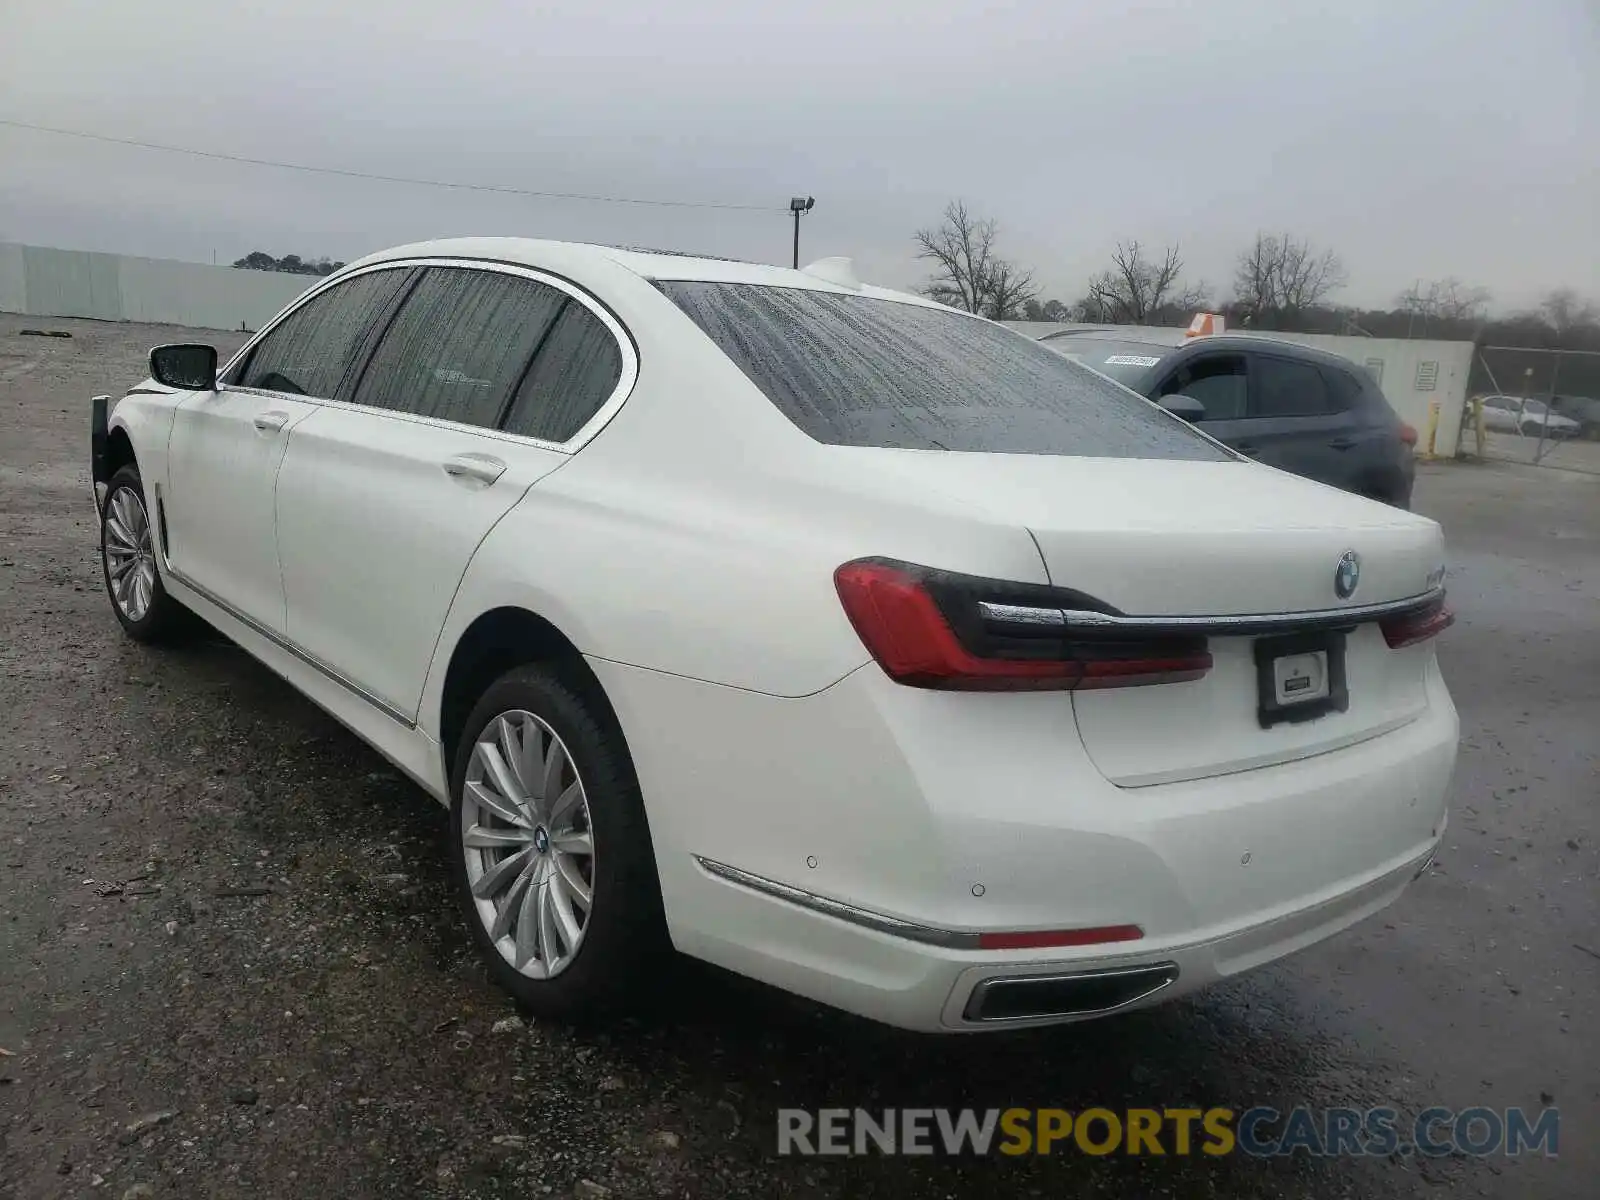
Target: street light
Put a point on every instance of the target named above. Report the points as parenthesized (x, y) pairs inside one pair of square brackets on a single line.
[(798, 205)]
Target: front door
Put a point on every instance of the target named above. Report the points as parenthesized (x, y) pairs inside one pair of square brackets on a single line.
[(222, 465), (1219, 380), (227, 446)]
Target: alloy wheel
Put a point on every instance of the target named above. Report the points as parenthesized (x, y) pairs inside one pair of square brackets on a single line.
[(130, 554), (528, 842)]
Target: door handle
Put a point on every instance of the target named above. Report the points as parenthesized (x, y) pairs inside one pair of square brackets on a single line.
[(270, 422), (485, 468), (1342, 443)]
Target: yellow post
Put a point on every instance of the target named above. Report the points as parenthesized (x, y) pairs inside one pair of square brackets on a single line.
[(1433, 430)]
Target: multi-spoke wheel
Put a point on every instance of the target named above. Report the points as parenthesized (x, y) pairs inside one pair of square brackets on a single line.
[(528, 843), (128, 555), (551, 848)]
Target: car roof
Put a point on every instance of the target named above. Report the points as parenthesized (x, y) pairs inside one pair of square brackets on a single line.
[(1132, 335), (574, 257), (1176, 339)]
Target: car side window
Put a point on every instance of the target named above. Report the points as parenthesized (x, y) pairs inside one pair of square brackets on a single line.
[(310, 350), (459, 345), (1218, 381), (1287, 388), (1344, 389), (576, 371)]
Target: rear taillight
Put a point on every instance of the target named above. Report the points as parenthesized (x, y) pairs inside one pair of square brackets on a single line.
[(936, 629), (1419, 625), (1408, 434)]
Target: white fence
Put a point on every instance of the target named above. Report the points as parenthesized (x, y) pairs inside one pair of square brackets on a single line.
[(45, 282), (1412, 373)]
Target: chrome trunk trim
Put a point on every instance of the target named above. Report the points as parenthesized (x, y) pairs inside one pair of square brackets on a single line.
[(1012, 614)]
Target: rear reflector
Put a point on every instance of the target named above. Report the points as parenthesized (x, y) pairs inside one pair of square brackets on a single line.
[(1410, 628), (928, 629), (1059, 937)]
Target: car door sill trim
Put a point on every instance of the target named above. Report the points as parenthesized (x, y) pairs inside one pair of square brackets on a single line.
[(284, 644)]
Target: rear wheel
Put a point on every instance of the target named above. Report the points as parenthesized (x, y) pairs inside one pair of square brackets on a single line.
[(128, 562), (550, 848)]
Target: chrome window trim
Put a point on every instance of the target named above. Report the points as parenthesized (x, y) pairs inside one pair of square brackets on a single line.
[(1015, 614), (626, 347)]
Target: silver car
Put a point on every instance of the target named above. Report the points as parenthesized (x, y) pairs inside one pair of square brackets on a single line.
[(1514, 414)]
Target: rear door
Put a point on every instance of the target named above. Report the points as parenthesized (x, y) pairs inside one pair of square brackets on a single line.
[(481, 377), (1296, 421), (227, 446)]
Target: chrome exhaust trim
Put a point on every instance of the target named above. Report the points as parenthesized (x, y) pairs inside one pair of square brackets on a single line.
[(1084, 994)]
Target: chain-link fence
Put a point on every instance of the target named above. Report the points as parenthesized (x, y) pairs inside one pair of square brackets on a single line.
[(1536, 406)]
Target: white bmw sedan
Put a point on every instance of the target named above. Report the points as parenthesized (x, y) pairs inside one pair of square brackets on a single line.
[(819, 631)]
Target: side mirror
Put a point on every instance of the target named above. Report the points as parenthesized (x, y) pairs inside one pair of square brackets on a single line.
[(1183, 406), (189, 368)]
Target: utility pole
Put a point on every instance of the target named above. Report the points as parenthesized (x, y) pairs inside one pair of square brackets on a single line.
[(798, 205)]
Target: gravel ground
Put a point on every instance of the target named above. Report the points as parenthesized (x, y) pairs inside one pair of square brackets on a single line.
[(229, 966)]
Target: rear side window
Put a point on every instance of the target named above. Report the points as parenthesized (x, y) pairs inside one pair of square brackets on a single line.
[(310, 350), (458, 347), (1348, 391), (578, 367), (1287, 388), (859, 371)]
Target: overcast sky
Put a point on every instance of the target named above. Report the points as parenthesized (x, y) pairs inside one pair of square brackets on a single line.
[(1418, 138)]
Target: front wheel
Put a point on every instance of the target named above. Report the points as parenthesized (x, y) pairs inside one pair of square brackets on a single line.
[(550, 847), (128, 562)]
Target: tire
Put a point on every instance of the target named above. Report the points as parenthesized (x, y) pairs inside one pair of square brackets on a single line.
[(128, 564), (523, 916)]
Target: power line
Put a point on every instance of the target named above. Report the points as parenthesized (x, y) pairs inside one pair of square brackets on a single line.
[(438, 183)]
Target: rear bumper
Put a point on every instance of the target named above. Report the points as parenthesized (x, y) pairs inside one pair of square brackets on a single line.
[(955, 815)]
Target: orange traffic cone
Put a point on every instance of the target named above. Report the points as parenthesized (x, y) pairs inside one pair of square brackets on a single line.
[(1205, 324)]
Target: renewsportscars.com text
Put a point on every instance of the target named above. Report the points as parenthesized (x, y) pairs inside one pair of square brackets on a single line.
[(1258, 1131)]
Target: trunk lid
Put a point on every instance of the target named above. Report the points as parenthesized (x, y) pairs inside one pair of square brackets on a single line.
[(1208, 539)]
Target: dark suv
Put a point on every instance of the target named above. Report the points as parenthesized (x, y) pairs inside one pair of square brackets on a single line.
[(1289, 406)]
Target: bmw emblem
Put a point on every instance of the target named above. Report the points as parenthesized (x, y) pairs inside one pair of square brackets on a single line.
[(541, 840), (1347, 575)]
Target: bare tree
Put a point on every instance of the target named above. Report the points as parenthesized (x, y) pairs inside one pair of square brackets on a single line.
[(1279, 278), (1009, 290), (968, 274), (962, 251), (1137, 290), (1564, 310), (1448, 301)]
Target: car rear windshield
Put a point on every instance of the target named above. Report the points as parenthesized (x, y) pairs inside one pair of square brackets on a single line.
[(860, 371), (1130, 363)]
